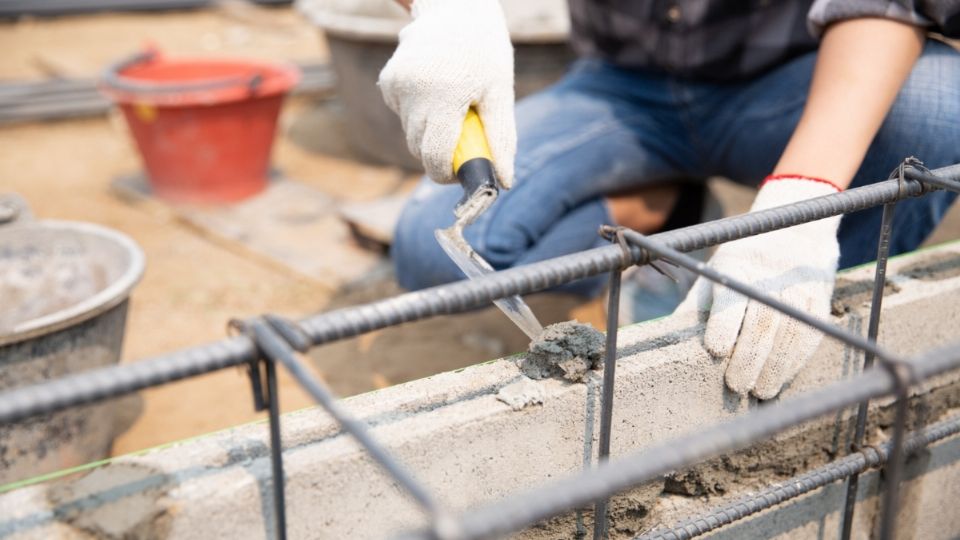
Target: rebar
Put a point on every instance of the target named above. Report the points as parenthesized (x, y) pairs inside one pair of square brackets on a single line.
[(525, 508), (23, 101), (455, 297), (606, 404), (879, 282), (848, 466), (684, 261), (276, 451), (276, 349), (899, 370), (273, 343)]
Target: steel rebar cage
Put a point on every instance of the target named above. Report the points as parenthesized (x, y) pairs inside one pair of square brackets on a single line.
[(263, 342)]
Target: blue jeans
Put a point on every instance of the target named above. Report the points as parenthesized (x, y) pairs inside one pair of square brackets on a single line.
[(603, 129)]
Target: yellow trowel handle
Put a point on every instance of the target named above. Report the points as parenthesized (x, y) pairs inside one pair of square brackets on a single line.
[(472, 161)]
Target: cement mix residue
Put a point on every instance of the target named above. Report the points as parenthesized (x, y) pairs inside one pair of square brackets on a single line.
[(565, 350)]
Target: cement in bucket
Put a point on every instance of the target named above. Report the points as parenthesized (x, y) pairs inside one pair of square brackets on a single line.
[(65, 287)]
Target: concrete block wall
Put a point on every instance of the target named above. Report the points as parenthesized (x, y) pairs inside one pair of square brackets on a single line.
[(469, 447)]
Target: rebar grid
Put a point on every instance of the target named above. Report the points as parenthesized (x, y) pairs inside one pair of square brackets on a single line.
[(458, 297), (848, 466), (269, 340), (526, 508)]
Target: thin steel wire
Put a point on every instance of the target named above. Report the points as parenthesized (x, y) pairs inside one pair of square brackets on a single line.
[(939, 178), (848, 466)]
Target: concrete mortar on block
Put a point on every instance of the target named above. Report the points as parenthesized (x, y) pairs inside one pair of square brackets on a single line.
[(469, 447)]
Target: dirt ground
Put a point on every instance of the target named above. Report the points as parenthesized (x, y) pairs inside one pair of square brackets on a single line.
[(193, 286)]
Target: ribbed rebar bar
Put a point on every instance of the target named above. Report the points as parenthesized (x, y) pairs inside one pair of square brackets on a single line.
[(276, 451), (873, 329), (526, 508), (856, 463), (456, 297), (656, 249), (900, 371), (105, 383)]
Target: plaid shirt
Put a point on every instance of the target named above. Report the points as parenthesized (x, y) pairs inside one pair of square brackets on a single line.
[(730, 39)]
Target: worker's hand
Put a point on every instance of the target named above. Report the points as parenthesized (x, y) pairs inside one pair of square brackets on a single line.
[(454, 54), (798, 265)]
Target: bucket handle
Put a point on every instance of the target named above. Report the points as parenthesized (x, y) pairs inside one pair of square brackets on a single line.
[(113, 79)]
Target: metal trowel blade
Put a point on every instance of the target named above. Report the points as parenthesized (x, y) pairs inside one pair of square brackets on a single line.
[(473, 265)]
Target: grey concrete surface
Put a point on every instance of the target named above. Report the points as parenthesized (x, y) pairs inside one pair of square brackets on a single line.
[(469, 446)]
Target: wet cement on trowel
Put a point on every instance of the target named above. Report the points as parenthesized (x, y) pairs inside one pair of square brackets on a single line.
[(567, 350)]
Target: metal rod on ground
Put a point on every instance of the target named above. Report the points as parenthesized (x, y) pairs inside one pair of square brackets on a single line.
[(276, 451), (525, 508), (850, 465), (606, 405), (879, 281), (50, 100), (96, 385), (277, 349)]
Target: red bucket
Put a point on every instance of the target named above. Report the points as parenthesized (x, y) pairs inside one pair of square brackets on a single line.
[(204, 127)]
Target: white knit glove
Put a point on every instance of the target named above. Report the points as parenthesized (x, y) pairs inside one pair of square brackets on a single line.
[(454, 54), (798, 265)]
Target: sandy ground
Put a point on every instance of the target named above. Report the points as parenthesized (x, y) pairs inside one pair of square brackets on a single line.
[(193, 286), (84, 45)]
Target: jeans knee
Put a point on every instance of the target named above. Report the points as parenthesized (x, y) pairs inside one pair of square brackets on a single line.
[(418, 259), (928, 103)]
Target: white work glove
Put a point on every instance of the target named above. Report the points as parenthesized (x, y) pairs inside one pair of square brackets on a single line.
[(454, 54), (797, 265)]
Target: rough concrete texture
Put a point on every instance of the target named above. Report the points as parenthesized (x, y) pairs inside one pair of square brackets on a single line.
[(521, 393), (73, 437), (457, 436), (565, 350)]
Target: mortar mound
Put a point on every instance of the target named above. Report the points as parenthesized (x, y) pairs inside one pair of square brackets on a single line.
[(565, 350)]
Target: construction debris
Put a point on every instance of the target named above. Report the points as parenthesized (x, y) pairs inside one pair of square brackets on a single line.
[(72, 98), (521, 394)]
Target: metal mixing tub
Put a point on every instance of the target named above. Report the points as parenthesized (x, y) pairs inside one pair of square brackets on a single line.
[(361, 37), (65, 288)]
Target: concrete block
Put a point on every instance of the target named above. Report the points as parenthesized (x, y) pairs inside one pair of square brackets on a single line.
[(469, 447)]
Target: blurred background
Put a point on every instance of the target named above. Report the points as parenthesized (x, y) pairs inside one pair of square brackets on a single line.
[(98, 104)]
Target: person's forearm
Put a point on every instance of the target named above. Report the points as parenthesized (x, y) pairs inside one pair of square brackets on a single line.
[(861, 65)]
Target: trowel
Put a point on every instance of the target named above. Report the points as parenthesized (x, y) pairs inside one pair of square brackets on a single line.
[(473, 166)]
